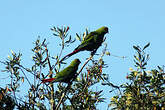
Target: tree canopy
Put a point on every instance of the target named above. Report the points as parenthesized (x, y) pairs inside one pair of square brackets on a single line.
[(145, 89)]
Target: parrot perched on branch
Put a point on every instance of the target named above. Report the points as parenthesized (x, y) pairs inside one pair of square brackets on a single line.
[(91, 42), (67, 74)]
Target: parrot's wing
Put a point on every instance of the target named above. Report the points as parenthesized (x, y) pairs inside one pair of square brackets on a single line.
[(65, 74), (88, 41), (89, 36)]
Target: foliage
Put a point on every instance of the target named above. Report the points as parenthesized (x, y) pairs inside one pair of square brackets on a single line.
[(145, 90), (6, 100), (76, 95)]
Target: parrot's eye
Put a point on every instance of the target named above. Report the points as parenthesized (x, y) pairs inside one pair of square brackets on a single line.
[(106, 29)]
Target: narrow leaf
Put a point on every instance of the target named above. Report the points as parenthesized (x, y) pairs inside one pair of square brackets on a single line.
[(136, 48), (146, 46)]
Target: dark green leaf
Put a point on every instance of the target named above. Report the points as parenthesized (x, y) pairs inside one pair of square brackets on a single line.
[(143, 59), (137, 64), (144, 64), (136, 48), (147, 58), (146, 46), (55, 34), (68, 41), (78, 37), (160, 68), (139, 55)]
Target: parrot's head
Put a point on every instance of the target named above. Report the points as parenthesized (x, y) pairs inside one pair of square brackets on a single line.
[(106, 29), (103, 30), (75, 62)]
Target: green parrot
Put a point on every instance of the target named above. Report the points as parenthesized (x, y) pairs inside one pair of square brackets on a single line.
[(67, 74), (91, 42)]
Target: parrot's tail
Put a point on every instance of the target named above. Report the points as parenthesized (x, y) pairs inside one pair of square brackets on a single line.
[(74, 52), (48, 80), (70, 54)]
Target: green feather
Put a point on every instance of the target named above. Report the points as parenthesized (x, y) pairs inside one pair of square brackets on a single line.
[(93, 40), (68, 73)]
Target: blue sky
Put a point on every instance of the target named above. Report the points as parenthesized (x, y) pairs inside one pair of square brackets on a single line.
[(131, 22)]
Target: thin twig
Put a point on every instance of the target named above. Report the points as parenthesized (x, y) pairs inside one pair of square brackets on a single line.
[(85, 63), (26, 69), (71, 103), (62, 48), (26, 78), (31, 73), (63, 94), (51, 84), (50, 68), (123, 57)]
